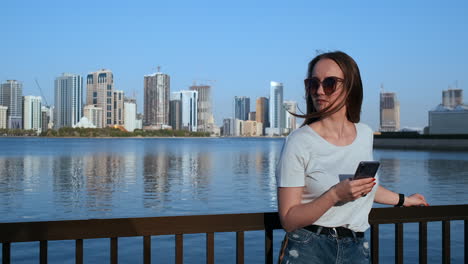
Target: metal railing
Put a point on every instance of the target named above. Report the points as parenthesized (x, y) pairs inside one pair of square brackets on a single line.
[(113, 229)]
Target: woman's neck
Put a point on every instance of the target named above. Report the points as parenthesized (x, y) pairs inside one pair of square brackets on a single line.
[(335, 126)]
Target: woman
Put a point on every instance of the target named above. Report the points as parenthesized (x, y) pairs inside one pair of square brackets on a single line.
[(324, 217)]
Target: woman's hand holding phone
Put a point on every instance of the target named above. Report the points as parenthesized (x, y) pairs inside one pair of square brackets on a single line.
[(350, 190)]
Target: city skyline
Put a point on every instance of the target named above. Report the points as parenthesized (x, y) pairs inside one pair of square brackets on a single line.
[(418, 49)]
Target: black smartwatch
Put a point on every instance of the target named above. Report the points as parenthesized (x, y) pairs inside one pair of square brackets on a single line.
[(401, 200)]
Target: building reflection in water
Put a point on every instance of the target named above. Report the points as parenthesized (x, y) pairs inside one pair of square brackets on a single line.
[(240, 165), (155, 179), (266, 160), (67, 181), (176, 173), (389, 171), (11, 183), (103, 177), (447, 177)]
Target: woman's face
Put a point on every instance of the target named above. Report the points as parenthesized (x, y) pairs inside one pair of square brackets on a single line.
[(326, 68)]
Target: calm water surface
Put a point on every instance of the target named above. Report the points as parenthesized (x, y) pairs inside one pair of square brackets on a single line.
[(56, 179)]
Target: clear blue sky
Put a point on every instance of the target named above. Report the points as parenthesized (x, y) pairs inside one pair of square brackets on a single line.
[(415, 48)]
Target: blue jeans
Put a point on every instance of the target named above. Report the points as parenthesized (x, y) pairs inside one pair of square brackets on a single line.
[(303, 246)]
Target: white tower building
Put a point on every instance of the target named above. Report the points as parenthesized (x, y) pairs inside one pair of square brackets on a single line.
[(32, 113)]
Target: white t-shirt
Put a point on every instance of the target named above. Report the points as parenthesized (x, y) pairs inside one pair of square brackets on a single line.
[(309, 160)]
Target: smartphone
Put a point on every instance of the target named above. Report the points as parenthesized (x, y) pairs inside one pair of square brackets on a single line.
[(366, 169)]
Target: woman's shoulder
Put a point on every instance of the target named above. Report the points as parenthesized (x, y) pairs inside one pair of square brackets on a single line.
[(364, 128), (299, 135), (365, 131)]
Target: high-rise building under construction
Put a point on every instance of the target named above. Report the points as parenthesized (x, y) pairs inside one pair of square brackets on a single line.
[(389, 112)]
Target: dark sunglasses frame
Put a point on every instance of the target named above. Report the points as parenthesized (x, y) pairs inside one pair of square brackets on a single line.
[(328, 84)]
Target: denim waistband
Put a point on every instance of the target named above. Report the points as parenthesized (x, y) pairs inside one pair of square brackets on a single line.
[(338, 232)]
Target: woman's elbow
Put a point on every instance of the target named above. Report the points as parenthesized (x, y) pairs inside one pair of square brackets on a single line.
[(287, 225)]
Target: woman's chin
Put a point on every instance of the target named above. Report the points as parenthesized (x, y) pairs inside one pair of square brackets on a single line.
[(320, 107)]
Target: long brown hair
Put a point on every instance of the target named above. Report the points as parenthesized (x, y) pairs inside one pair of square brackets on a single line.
[(352, 90)]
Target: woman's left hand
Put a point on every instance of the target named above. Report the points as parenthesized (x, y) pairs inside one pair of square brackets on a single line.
[(415, 200)]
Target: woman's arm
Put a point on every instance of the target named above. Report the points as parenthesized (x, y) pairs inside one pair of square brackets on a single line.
[(385, 196), (294, 215)]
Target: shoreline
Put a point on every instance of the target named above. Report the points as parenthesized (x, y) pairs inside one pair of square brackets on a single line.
[(448, 144)]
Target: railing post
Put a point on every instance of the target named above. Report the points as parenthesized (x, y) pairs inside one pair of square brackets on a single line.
[(375, 243), (114, 250), (399, 243), (6, 249), (179, 249), (43, 251), (268, 246), (466, 241), (147, 249), (446, 242), (240, 247), (210, 248), (422, 242), (79, 251)]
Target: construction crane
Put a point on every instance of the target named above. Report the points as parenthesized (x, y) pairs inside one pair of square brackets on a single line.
[(40, 90)]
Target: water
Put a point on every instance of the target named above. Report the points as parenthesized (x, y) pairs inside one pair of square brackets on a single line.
[(59, 179)]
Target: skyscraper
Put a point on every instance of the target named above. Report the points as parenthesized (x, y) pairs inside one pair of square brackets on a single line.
[(45, 118), (262, 114), (32, 113), (130, 114), (100, 93), (189, 104), (276, 109), (228, 127), (389, 112), (452, 97), (241, 107), (3, 117), (118, 108), (205, 111), (290, 106), (11, 96), (156, 100), (68, 100), (175, 111)]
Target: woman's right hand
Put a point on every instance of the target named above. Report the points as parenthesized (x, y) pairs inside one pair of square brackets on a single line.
[(350, 190)]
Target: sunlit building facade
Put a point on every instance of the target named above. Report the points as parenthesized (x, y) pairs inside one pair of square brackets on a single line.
[(68, 100), (11, 96), (389, 112), (32, 113)]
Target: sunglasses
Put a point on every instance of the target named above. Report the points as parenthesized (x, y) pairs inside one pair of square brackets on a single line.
[(328, 84)]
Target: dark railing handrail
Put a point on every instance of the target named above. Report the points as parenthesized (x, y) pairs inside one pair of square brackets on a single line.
[(178, 225)]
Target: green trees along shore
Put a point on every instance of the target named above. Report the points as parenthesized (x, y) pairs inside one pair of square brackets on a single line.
[(102, 132)]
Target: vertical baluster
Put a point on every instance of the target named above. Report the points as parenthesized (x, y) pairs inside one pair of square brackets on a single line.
[(179, 249), (445, 242), (43, 251), (268, 246), (240, 247), (114, 250), (6, 257), (466, 241), (399, 243), (375, 243), (422, 242), (209, 248), (147, 249), (79, 251)]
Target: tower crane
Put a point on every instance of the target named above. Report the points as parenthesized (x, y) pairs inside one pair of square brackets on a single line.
[(40, 90)]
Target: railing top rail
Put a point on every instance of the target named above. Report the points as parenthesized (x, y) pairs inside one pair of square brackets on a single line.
[(418, 214), (167, 225), (127, 227)]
